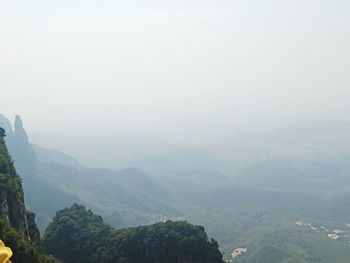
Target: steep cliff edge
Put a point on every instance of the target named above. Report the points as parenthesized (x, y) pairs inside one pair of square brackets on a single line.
[(41, 196), (21, 150), (12, 208)]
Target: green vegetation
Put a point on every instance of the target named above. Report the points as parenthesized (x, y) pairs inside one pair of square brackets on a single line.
[(77, 235), (23, 251), (9, 180), (17, 226)]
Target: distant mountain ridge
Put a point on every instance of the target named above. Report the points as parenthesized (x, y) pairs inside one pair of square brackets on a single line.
[(77, 235), (47, 156), (247, 183), (54, 180)]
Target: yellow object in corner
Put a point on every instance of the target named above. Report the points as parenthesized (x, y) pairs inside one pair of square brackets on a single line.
[(5, 253)]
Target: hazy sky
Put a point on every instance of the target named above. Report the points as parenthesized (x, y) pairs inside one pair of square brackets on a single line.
[(187, 65)]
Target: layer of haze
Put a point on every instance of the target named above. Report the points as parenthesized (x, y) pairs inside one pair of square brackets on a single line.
[(180, 70)]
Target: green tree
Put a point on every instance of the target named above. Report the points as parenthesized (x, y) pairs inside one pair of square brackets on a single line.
[(77, 235)]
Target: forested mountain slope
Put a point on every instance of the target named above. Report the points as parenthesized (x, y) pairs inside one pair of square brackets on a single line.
[(77, 235)]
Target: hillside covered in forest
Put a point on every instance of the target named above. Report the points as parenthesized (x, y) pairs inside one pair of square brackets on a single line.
[(77, 235)]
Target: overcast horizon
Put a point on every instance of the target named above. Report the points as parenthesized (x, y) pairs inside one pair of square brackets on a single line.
[(187, 67)]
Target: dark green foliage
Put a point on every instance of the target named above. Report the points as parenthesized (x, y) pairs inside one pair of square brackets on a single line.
[(6, 164), (23, 251), (77, 235), (11, 192), (162, 242), (9, 180)]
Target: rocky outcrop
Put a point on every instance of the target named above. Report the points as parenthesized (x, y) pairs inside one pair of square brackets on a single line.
[(21, 150), (33, 230), (41, 195), (12, 208)]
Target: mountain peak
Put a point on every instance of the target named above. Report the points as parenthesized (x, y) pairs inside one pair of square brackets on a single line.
[(19, 129), (18, 122)]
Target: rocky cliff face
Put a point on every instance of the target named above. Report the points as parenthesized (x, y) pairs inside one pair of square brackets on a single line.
[(21, 150), (12, 207), (41, 195)]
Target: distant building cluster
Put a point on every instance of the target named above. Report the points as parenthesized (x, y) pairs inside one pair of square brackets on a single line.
[(239, 252), (158, 218), (334, 235)]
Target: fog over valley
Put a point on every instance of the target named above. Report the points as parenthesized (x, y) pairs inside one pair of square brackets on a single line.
[(174, 132)]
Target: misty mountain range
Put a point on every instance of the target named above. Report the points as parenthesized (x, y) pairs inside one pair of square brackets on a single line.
[(298, 171), (151, 152)]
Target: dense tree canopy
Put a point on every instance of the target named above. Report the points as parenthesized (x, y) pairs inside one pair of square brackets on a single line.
[(77, 235)]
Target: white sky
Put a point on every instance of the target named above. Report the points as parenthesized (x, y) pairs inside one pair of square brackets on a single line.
[(199, 66)]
